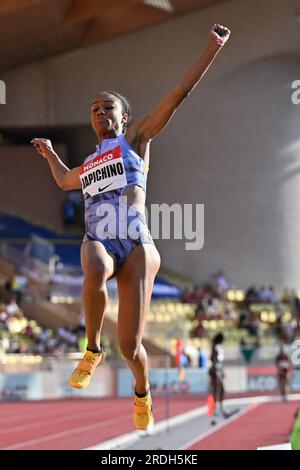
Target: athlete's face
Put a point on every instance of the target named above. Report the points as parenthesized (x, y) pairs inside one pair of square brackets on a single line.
[(107, 115)]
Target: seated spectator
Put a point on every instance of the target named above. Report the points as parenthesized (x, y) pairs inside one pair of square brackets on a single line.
[(3, 314), (12, 308), (267, 294), (286, 296), (200, 311), (253, 326), (14, 345), (243, 319), (251, 295), (6, 293), (188, 295), (228, 310), (211, 309), (272, 296), (222, 283)]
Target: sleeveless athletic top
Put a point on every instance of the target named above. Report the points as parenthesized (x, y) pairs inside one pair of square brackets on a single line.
[(107, 173)]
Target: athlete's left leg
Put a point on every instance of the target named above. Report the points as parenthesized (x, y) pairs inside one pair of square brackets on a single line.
[(135, 283)]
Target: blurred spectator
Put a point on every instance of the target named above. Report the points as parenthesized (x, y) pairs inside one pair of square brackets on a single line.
[(198, 331), (202, 359), (14, 345), (71, 209), (251, 295), (200, 311), (18, 285), (185, 359), (228, 310), (211, 309), (263, 294), (6, 292), (267, 295), (253, 326), (243, 319), (222, 283), (12, 308), (296, 307), (247, 349), (286, 296), (288, 332), (69, 212), (272, 296)]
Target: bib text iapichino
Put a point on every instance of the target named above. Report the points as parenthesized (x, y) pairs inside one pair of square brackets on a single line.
[(103, 173)]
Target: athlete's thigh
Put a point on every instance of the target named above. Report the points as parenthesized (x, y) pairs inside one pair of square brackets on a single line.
[(95, 257), (135, 283)]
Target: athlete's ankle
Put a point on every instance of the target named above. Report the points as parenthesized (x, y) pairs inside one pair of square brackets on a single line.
[(95, 350), (142, 391)]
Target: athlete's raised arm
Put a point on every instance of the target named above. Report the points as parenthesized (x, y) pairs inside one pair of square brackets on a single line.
[(155, 122), (65, 178)]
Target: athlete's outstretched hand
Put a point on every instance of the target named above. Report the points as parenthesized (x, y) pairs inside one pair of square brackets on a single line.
[(43, 147), (219, 35)]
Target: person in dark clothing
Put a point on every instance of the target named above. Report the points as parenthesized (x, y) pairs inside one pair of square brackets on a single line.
[(216, 372), (283, 367)]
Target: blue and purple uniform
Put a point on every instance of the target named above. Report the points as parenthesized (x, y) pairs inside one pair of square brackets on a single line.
[(105, 175)]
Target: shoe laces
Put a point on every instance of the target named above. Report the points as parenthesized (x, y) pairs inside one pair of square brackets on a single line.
[(91, 360), (142, 406)]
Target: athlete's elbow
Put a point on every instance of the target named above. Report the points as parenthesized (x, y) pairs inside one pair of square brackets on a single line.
[(62, 185)]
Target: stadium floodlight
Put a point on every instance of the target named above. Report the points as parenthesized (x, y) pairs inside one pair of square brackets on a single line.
[(165, 5)]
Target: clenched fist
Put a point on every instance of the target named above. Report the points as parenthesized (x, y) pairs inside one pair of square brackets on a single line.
[(219, 35)]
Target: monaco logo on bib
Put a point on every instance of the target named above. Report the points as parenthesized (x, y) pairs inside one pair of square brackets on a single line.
[(103, 173)]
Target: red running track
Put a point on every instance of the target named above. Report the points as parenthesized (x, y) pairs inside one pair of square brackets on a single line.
[(262, 425), (75, 424)]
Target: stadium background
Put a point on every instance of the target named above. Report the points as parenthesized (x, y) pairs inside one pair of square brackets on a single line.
[(233, 146)]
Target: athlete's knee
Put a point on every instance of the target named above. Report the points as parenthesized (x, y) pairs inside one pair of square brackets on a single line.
[(130, 349), (96, 273), (153, 263)]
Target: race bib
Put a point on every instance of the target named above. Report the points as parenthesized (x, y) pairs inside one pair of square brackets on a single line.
[(103, 173)]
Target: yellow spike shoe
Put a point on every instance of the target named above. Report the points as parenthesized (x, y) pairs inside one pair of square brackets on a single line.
[(81, 376), (143, 412)]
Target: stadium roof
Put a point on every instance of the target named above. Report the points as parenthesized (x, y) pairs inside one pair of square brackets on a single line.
[(33, 30)]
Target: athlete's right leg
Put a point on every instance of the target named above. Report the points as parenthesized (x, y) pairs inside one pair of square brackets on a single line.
[(221, 393), (97, 266)]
